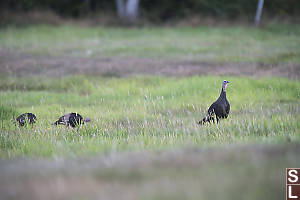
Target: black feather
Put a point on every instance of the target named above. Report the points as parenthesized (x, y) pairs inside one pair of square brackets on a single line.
[(25, 118), (70, 119)]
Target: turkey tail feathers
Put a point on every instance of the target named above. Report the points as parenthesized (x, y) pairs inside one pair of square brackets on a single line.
[(207, 118), (202, 122)]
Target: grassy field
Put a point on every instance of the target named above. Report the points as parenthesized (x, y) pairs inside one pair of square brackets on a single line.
[(144, 113), (193, 173), (143, 140), (274, 43)]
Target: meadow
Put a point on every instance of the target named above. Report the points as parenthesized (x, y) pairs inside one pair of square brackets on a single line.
[(272, 44), (144, 113), (143, 138)]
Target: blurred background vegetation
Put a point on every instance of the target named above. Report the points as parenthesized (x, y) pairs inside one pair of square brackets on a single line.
[(154, 11)]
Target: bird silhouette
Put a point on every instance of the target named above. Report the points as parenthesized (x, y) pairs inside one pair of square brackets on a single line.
[(219, 109)]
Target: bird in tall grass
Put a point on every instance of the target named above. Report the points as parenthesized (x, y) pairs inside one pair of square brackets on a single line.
[(219, 109), (71, 119), (26, 118)]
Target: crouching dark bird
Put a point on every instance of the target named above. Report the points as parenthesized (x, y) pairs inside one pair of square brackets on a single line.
[(26, 118), (71, 119), (219, 109)]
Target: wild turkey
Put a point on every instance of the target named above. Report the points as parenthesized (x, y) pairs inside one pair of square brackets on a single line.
[(25, 118), (71, 119), (219, 108)]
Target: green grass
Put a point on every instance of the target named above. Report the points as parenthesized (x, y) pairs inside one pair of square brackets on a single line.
[(144, 113), (154, 118), (192, 173), (271, 44), (138, 113)]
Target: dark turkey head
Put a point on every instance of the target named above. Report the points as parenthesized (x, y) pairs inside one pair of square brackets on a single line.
[(224, 85)]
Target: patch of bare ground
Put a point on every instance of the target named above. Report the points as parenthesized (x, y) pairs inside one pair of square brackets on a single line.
[(21, 64), (258, 171)]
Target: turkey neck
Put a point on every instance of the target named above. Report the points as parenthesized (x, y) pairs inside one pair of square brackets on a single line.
[(223, 93)]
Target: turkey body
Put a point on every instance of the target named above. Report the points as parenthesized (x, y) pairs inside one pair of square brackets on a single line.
[(219, 109), (25, 118), (71, 119)]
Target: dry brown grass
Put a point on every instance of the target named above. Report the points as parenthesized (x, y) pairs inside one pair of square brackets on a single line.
[(21, 64)]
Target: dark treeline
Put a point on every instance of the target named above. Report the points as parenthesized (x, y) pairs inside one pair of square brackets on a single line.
[(158, 10)]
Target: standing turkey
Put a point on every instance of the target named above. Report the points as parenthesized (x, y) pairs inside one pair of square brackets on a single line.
[(25, 118), (71, 119), (219, 108)]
